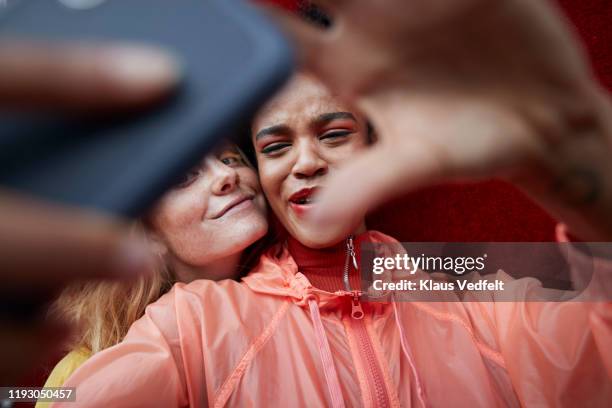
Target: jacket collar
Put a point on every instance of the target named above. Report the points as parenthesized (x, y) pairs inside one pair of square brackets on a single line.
[(277, 274)]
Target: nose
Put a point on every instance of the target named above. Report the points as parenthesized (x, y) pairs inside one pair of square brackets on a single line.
[(309, 162), (224, 178)]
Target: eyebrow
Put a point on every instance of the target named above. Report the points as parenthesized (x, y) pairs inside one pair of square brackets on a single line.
[(273, 130), (319, 121), (328, 117)]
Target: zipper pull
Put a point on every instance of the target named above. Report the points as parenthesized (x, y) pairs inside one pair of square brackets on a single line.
[(356, 309), (351, 250)]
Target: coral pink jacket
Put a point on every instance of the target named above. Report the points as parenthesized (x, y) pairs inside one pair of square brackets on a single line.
[(274, 340)]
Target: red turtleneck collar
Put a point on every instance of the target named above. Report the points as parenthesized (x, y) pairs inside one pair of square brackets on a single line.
[(324, 267)]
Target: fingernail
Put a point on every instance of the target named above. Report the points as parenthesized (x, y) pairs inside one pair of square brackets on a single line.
[(141, 67), (134, 258)]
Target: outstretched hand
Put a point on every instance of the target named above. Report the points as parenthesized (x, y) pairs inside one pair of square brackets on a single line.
[(456, 90), (44, 247)]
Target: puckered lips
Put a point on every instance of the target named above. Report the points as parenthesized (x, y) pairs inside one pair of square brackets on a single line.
[(302, 200)]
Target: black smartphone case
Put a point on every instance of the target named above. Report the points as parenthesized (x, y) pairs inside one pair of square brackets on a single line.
[(233, 59)]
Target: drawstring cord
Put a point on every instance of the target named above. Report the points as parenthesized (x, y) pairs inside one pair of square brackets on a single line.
[(417, 380), (329, 369), (331, 376)]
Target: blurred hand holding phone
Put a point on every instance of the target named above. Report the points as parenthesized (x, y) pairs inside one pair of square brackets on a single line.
[(231, 60), (84, 71)]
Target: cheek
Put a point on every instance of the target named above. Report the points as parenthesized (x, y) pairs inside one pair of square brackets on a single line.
[(248, 178), (272, 173), (271, 177), (179, 214)]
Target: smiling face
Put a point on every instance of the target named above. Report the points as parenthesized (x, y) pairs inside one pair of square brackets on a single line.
[(215, 212), (301, 137)]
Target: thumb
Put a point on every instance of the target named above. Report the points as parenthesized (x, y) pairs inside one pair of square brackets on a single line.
[(375, 177), (84, 77), (47, 246)]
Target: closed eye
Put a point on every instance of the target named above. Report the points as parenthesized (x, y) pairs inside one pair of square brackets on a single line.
[(275, 148), (335, 136)]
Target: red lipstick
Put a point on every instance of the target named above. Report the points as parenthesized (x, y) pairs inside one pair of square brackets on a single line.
[(302, 201)]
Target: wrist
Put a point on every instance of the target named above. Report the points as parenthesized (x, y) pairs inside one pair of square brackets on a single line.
[(572, 178)]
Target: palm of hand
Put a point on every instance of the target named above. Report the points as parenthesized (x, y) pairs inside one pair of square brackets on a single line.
[(470, 83)]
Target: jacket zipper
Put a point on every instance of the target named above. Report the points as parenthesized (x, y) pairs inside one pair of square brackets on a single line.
[(374, 375), (350, 255)]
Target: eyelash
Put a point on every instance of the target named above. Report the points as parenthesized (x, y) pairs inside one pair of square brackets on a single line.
[(276, 147), (238, 161), (335, 134)]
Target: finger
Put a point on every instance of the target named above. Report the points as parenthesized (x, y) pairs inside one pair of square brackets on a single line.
[(45, 246), (309, 40), (83, 77), (378, 175)]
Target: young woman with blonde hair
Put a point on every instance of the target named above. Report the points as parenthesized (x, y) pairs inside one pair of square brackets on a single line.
[(208, 227)]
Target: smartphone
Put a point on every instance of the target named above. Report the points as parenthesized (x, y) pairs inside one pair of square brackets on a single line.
[(233, 60)]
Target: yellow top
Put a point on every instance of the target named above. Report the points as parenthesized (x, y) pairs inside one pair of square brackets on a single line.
[(64, 369)]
